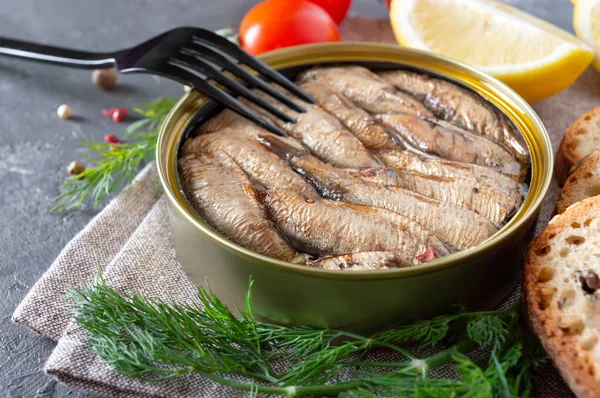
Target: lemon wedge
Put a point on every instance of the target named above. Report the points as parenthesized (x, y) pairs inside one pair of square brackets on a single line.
[(586, 21), (533, 57)]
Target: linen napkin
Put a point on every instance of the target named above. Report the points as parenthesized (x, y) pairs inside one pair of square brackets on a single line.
[(130, 242)]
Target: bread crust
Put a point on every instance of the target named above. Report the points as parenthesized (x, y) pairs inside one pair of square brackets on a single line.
[(576, 366), (577, 143), (583, 182)]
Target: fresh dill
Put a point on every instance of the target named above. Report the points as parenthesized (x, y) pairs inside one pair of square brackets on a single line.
[(113, 166), (155, 341)]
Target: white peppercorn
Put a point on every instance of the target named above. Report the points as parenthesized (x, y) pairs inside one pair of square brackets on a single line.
[(76, 167), (64, 112)]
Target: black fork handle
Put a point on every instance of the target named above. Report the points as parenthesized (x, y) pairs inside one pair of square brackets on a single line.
[(56, 55)]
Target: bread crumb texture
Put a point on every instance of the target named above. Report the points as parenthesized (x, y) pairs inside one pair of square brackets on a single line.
[(580, 139), (584, 182), (561, 291)]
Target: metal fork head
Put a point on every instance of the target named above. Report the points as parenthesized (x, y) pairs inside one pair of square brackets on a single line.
[(195, 57)]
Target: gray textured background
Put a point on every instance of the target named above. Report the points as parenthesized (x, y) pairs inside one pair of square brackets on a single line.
[(36, 146)]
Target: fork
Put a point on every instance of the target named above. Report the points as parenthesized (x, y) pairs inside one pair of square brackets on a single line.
[(191, 56)]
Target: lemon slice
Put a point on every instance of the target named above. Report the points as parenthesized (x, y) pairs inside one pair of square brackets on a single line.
[(532, 56), (586, 21)]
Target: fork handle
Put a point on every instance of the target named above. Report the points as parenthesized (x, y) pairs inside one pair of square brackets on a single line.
[(56, 55)]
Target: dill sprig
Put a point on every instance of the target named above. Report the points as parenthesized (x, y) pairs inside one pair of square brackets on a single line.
[(113, 166), (156, 341)]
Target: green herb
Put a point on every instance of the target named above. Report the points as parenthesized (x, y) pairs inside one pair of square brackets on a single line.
[(155, 341), (115, 165)]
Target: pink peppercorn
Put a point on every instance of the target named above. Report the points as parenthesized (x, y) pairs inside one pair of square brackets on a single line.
[(112, 139), (116, 114), (119, 115)]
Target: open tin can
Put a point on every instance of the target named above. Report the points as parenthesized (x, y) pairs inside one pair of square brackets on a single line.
[(293, 294)]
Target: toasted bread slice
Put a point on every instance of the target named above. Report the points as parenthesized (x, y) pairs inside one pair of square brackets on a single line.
[(584, 182), (581, 139), (561, 294)]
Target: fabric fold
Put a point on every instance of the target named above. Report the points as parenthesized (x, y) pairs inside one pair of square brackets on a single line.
[(44, 309)]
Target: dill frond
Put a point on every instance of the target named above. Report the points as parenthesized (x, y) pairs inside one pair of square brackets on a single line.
[(154, 341), (113, 166)]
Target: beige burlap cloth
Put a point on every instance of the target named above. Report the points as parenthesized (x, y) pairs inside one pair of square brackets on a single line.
[(130, 241)]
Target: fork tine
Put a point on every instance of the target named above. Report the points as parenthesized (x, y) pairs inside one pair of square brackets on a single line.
[(206, 52), (211, 38), (210, 72), (186, 76)]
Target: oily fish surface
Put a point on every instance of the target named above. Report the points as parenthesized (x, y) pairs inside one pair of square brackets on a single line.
[(360, 187), (223, 195), (370, 177)]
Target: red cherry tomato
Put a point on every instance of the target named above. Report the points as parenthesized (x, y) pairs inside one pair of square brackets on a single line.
[(276, 24), (337, 9), (388, 3)]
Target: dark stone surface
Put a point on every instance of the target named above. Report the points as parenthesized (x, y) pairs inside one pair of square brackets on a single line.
[(36, 145)]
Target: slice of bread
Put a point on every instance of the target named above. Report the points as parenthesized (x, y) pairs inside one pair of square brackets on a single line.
[(581, 139), (561, 294), (583, 182)]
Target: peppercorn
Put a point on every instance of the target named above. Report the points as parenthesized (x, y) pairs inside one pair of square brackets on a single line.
[(64, 112), (105, 79), (119, 115), (116, 114), (112, 139), (75, 168)]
